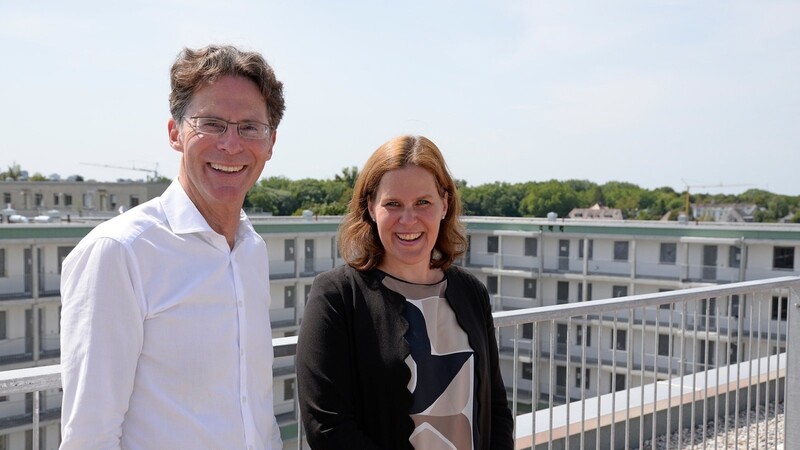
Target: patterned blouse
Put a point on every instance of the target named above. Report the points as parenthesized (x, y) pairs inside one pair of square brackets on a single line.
[(442, 368)]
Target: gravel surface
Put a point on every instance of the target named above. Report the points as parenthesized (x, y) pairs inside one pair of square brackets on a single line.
[(761, 434)]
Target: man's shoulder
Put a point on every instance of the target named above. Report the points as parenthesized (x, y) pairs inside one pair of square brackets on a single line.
[(130, 225)]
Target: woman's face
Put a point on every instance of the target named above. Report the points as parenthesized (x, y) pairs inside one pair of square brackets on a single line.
[(408, 211)]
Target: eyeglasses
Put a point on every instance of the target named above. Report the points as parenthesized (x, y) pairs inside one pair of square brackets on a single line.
[(218, 127)]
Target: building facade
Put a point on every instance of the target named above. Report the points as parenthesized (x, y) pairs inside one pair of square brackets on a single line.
[(75, 198), (525, 263)]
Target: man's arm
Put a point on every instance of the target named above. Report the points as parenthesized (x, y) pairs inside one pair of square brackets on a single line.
[(101, 339)]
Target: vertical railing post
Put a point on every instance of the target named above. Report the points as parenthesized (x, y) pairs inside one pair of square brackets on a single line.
[(792, 395), (35, 443)]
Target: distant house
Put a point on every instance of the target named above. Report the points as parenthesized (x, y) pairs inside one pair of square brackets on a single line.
[(597, 211), (733, 212)]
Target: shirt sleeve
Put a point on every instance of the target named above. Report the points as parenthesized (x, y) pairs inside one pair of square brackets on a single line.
[(277, 443), (101, 339)]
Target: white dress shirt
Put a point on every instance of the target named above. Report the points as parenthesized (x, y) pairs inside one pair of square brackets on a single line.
[(165, 334)]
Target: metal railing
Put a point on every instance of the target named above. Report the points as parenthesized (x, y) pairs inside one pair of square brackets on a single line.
[(625, 372)]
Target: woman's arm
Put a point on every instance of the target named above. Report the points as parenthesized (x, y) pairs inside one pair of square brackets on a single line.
[(325, 372), (502, 423)]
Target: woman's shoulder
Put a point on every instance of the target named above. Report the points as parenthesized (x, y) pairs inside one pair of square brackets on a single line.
[(345, 278), (338, 275), (457, 274)]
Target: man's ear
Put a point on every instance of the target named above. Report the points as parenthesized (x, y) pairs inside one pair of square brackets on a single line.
[(272, 137), (175, 138)]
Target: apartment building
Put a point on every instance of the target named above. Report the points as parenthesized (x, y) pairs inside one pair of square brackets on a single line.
[(525, 263), (74, 198)]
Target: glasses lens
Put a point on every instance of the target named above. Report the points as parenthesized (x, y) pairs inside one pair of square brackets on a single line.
[(211, 126), (252, 130)]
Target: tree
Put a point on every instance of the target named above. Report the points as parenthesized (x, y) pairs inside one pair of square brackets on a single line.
[(348, 177), (13, 173), (551, 196)]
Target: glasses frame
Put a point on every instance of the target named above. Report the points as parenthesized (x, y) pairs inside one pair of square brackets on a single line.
[(194, 127)]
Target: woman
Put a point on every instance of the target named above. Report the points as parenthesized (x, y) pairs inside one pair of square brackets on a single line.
[(397, 347)]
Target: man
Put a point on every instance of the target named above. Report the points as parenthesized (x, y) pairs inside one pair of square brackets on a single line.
[(165, 330)]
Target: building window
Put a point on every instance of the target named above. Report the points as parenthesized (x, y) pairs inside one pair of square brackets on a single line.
[(618, 382), (562, 292), (529, 288), (779, 305), (3, 325), (62, 255), (588, 291), (668, 250), (619, 291), (620, 250), (527, 371), (581, 331), (531, 246), (663, 344), (88, 200), (734, 256), (6, 199), (288, 389), (38, 200), (527, 331), (491, 284), (734, 311), (620, 340), (67, 200), (581, 375), (561, 336), (134, 200), (492, 244), (288, 297), (288, 250), (3, 273), (561, 378), (783, 258), (590, 250), (55, 199)]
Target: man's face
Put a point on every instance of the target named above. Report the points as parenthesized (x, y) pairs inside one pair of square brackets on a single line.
[(216, 171)]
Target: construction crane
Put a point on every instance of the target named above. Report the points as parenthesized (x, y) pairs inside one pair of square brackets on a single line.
[(153, 172), (704, 186)]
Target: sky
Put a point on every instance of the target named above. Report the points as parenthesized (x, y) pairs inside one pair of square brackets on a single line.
[(656, 93)]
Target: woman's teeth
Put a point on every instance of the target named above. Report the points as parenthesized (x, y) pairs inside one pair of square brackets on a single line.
[(409, 237)]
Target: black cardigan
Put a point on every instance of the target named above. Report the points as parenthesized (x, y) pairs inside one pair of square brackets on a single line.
[(351, 370)]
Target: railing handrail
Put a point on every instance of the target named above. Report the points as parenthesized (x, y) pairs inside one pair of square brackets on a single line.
[(594, 307), (49, 377)]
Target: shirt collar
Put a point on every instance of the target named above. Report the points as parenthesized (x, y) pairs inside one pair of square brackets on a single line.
[(184, 217)]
